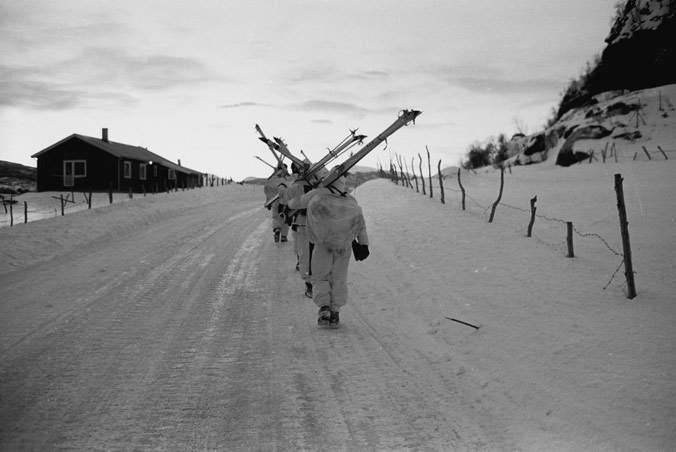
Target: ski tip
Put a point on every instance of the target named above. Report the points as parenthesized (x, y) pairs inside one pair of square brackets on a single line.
[(410, 115)]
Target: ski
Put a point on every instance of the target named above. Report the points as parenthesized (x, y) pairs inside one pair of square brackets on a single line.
[(282, 149), (279, 146), (334, 153), (270, 144), (271, 166), (405, 117)]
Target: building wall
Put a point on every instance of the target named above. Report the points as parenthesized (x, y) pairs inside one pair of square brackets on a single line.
[(105, 171), (100, 167)]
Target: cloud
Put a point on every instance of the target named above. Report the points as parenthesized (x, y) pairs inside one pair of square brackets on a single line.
[(368, 75), (245, 105), (37, 95), (331, 106), (499, 85), (97, 73), (489, 79), (161, 72), (316, 105), (143, 72)]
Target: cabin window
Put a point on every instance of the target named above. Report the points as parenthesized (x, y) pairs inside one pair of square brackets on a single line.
[(172, 174), (127, 170), (73, 169), (142, 171)]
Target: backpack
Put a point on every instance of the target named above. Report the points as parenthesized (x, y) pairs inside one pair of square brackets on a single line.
[(334, 219)]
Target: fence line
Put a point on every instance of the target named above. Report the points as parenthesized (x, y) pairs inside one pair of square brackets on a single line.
[(567, 242), (16, 211)]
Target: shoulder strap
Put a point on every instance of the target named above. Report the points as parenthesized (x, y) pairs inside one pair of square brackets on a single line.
[(334, 190)]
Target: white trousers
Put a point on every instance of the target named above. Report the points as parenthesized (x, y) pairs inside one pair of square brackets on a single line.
[(329, 275)]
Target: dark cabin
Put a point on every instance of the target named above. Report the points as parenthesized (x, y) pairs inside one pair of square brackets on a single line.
[(83, 163)]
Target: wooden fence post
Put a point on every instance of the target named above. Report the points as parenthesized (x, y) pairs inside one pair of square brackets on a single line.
[(415, 178), (461, 189), (628, 266), (647, 153), (63, 206), (25, 212), (408, 177), (569, 239), (11, 215), (663, 153), (497, 201), (110, 193), (429, 169), (441, 184), (422, 175), (532, 215)]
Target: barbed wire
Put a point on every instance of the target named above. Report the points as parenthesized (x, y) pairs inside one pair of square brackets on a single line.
[(614, 273), (557, 246)]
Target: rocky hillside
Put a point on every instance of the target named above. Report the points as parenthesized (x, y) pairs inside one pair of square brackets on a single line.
[(639, 54), (617, 125), (625, 105), (16, 179)]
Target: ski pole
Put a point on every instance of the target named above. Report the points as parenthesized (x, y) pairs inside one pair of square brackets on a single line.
[(271, 166)]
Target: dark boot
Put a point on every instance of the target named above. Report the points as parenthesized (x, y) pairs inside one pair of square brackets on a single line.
[(324, 316), (334, 320), (308, 290)]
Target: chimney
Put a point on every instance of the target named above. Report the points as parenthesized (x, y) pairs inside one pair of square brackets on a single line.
[(104, 134), (179, 162)]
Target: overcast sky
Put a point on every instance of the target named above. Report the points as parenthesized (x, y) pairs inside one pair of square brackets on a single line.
[(189, 80)]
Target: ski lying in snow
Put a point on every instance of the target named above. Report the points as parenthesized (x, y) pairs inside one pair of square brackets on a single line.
[(405, 117)]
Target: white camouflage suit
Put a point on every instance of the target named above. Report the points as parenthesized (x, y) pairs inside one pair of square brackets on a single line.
[(326, 208), (291, 197), (270, 189)]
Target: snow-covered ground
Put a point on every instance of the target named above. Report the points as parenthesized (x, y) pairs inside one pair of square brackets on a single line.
[(562, 358), (561, 353)]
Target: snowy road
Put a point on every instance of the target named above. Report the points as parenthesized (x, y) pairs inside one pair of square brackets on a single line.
[(193, 335)]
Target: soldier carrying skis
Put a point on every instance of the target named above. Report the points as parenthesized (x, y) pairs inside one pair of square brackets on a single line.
[(279, 227), (334, 222)]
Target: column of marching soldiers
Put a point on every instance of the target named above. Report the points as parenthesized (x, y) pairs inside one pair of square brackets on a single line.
[(325, 220)]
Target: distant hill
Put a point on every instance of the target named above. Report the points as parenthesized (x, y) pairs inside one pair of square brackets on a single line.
[(363, 169), (356, 176), (16, 178)]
